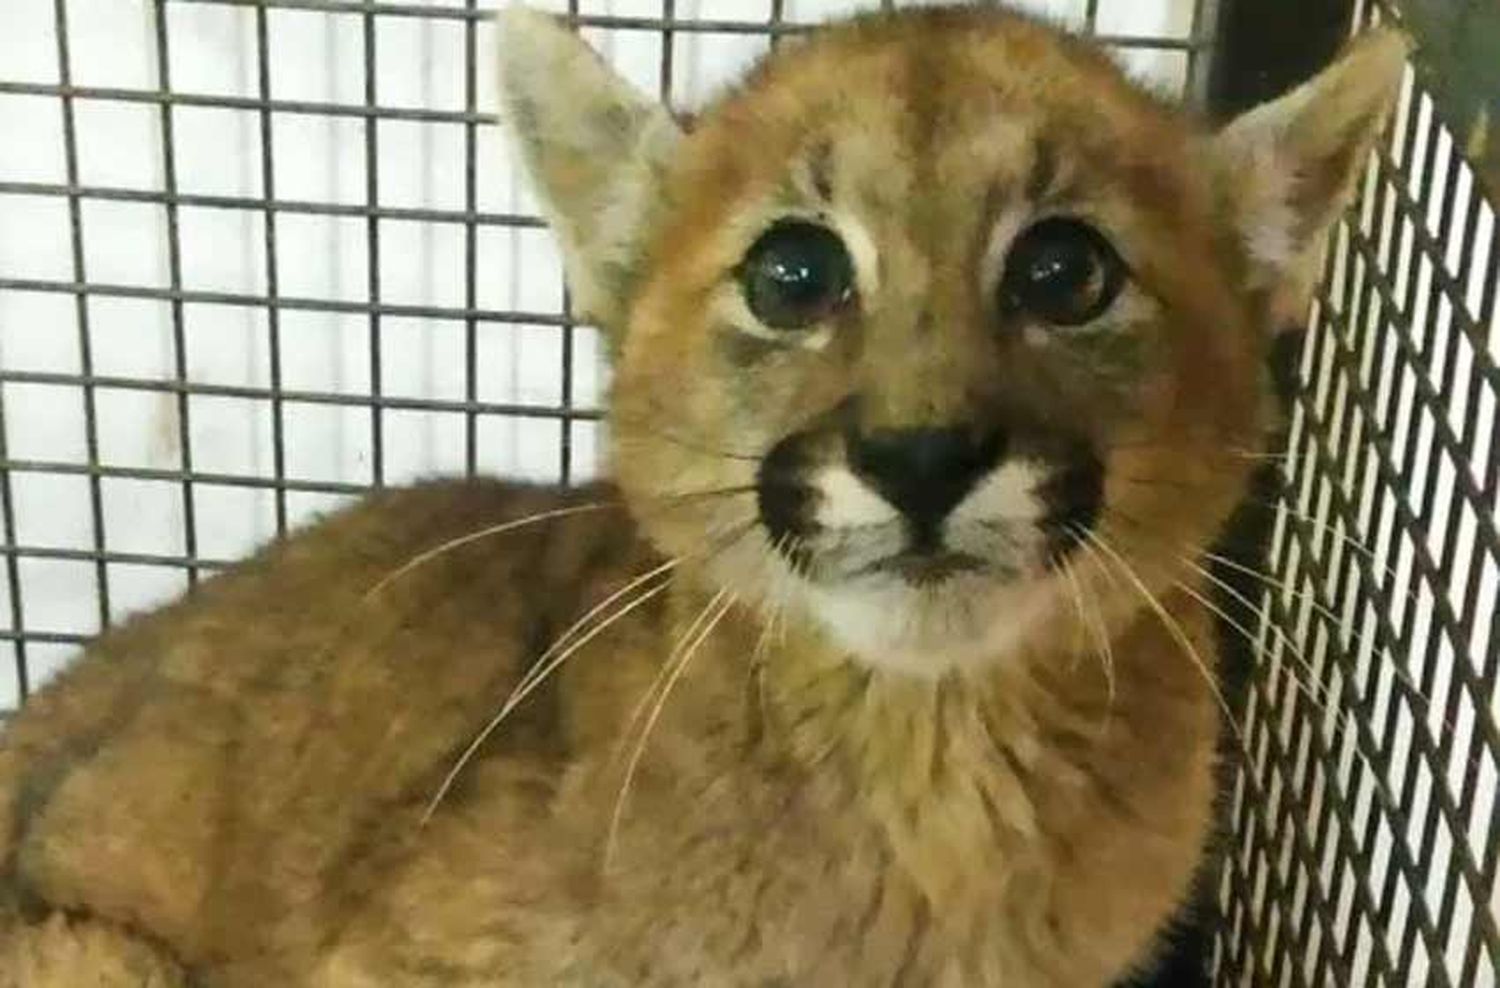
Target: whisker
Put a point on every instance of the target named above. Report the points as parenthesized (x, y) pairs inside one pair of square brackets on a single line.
[(428, 555), (1173, 628), (1300, 518), (640, 707), (540, 669), (423, 558), (689, 443), (519, 695), (1103, 649), (1270, 581), (1353, 544), (763, 641), (1347, 719), (1411, 687), (713, 492), (545, 666), (728, 601), (1319, 700), (563, 639), (639, 710), (1218, 442)]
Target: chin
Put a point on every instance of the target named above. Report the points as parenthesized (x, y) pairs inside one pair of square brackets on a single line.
[(928, 628)]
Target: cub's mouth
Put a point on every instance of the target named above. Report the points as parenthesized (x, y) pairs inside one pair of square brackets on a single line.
[(923, 508)]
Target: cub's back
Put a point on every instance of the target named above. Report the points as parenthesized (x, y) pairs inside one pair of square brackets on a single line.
[(206, 769)]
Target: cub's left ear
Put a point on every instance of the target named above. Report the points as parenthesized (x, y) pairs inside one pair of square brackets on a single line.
[(1288, 167), (595, 147)]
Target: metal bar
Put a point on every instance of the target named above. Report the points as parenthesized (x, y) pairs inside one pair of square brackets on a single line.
[(302, 303), (273, 311), (1200, 57), (471, 242), (293, 396), (669, 9), (178, 476), (20, 638), (12, 570), (372, 253), (353, 210), (1432, 656), (188, 562), (368, 111), (174, 274), (85, 342), (565, 426), (1359, 301), (1425, 567)]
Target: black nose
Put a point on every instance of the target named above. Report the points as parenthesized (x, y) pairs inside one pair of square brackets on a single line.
[(925, 473)]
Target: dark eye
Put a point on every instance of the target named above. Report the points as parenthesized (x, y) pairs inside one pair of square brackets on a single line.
[(796, 275), (1062, 271)]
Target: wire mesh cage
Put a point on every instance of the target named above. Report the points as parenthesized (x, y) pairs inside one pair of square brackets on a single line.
[(259, 256), (1365, 816)]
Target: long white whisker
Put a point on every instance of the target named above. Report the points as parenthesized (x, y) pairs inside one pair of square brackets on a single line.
[(1308, 689), (1413, 688), (604, 604), (691, 650), (1103, 649), (423, 558), (1173, 628), (523, 690), (639, 710), (545, 667), (551, 663), (1269, 581)]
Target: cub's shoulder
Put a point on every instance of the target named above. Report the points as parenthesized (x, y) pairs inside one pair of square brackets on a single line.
[(234, 745)]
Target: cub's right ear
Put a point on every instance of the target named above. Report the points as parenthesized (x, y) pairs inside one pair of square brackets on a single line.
[(595, 147), (1289, 167)]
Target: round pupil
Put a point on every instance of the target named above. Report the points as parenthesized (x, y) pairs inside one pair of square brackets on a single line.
[(795, 275), (1062, 271), (1061, 267)]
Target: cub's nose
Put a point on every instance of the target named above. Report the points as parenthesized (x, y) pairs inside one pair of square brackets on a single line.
[(924, 473)]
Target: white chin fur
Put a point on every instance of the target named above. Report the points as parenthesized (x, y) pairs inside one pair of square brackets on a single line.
[(963, 622)]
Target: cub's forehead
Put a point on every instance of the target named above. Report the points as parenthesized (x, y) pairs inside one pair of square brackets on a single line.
[(931, 99)]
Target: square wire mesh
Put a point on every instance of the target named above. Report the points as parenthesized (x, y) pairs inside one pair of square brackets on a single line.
[(258, 256), (1365, 820)]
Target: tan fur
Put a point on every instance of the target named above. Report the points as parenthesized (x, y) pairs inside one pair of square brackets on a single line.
[(237, 787)]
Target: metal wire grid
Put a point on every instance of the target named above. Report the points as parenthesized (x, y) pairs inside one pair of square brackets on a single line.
[(1365, 819), (673, 25), (1366, 814)]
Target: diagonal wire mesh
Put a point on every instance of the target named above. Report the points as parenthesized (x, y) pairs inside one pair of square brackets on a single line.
[(1365, 817)]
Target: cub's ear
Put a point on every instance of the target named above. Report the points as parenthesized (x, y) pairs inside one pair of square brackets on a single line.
[(596, 149), (1289, 166)]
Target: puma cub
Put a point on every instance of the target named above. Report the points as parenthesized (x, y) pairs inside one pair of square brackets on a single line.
[(883, 659)]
